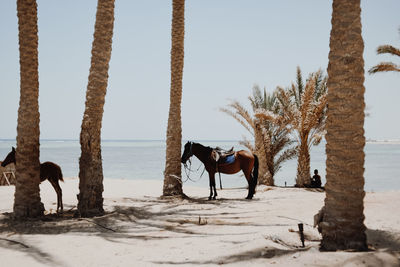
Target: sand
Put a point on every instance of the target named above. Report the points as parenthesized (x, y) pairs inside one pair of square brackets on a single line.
[(140, 229)]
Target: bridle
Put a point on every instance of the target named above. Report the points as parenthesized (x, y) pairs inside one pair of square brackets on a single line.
[(190, 154), (188, 169)]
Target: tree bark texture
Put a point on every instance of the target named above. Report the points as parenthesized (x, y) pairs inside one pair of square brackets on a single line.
[(172, 173), (343, 221), (27, 201), (270, 172), (90, 198), (264, 177), (303, 165)]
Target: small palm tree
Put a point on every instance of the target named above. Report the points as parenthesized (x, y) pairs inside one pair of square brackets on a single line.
[(304, 110), (386, 66), (270, 137)]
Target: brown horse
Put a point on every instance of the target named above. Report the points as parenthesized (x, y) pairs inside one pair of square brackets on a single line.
[(48, 170), (244, 160)]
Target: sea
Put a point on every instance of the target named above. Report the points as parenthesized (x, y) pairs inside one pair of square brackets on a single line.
[(145, 160)]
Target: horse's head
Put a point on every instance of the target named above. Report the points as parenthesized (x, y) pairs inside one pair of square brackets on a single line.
[(187, 152), (9, 159)]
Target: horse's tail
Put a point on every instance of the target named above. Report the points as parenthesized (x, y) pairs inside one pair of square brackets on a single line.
[(58, 172), (255, 170), (60, 176)]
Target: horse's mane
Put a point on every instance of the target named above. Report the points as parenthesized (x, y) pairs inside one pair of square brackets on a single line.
[(206, 147)]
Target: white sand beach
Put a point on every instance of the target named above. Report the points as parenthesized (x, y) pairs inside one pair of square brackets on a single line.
[(140, 229)]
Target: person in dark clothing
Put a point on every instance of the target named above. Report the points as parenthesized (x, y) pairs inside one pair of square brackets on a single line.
[(316, 180)]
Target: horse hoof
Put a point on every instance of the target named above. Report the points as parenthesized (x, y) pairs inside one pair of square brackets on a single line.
[(209, 198), (213, 198)]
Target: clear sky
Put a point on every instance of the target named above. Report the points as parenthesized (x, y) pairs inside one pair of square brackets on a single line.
[(230, 45)]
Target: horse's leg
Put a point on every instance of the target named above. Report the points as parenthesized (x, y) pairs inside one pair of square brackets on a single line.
[(59, 197), (213, 188), (57, 188), (249, 178)]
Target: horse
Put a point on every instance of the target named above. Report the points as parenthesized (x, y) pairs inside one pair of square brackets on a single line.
[(48, 170), (244, 160)]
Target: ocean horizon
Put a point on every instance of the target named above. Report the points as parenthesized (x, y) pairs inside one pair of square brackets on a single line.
[(145, 160)]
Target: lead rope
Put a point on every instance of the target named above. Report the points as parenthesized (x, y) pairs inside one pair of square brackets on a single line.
[(188, 170)]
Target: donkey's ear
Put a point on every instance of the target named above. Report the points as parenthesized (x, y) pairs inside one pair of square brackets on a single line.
[(13, 148)]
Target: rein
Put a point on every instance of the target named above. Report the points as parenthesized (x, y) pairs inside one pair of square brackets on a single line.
[(188, 170)]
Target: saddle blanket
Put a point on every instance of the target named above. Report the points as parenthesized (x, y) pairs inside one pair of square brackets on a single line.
[(228, 160)]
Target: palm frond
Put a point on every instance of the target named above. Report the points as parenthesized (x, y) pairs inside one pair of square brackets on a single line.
[(266, 141), (299, 83), (288, 109), (388, 49), (266, 115), (384, 66), (317, 114), (288, 154), (306, 105), (317, 139), (256, 99), (293, 92), (320, 84), (248, 144), (280, 143), (270, 101), (238, 117)]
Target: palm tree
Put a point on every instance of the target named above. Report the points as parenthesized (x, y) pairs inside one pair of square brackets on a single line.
[(275, 139), (271, 140), (90, 163), (172, 173), (343, 220), (27, 201), (304, 109), (386, 66)]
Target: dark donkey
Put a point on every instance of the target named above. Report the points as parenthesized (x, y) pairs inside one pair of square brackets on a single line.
[(48, 170), (244, 160)]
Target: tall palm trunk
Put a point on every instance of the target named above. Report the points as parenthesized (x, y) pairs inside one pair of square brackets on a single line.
[(27, 197), (343, 221), (264, 176), (172, 173), (303, 165), (90, 163), (269, 174)]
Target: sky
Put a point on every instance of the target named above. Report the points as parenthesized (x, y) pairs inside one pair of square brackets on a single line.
[(230, 46)]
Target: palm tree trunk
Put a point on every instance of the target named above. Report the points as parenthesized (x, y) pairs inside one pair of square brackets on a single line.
[(343, 222), (172, 173), (90, 163), (27, 201), (263, 175), (303, 165), (269, 175)]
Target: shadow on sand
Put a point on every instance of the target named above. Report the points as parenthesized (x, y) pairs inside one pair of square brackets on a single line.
[(157, 219)]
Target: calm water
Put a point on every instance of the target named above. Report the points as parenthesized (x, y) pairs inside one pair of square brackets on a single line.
[(146, 159)]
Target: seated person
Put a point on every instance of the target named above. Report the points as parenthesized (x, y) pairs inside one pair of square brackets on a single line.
[(316, 180)]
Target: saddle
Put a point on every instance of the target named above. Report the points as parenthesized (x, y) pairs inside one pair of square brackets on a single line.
[(220, 155)]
